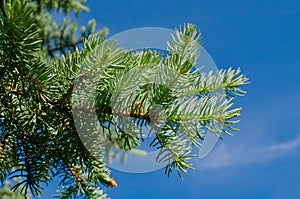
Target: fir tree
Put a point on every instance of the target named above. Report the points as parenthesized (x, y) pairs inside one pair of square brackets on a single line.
[(43, 69)]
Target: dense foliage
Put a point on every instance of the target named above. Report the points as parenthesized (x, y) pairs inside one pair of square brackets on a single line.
[(44, 72)]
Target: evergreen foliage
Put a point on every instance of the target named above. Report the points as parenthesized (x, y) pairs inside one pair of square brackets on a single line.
[(43, 69)]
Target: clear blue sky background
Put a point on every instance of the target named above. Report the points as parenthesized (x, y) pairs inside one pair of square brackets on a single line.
[(261, 37)]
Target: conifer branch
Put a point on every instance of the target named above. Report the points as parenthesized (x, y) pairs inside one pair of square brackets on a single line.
[(39, 92)]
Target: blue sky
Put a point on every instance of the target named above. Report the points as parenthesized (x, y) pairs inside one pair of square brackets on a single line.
[(261, 37)]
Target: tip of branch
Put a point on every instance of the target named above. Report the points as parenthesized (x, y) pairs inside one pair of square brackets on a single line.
[(112, 183)]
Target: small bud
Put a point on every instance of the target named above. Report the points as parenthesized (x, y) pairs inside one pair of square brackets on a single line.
[(112, 183)]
